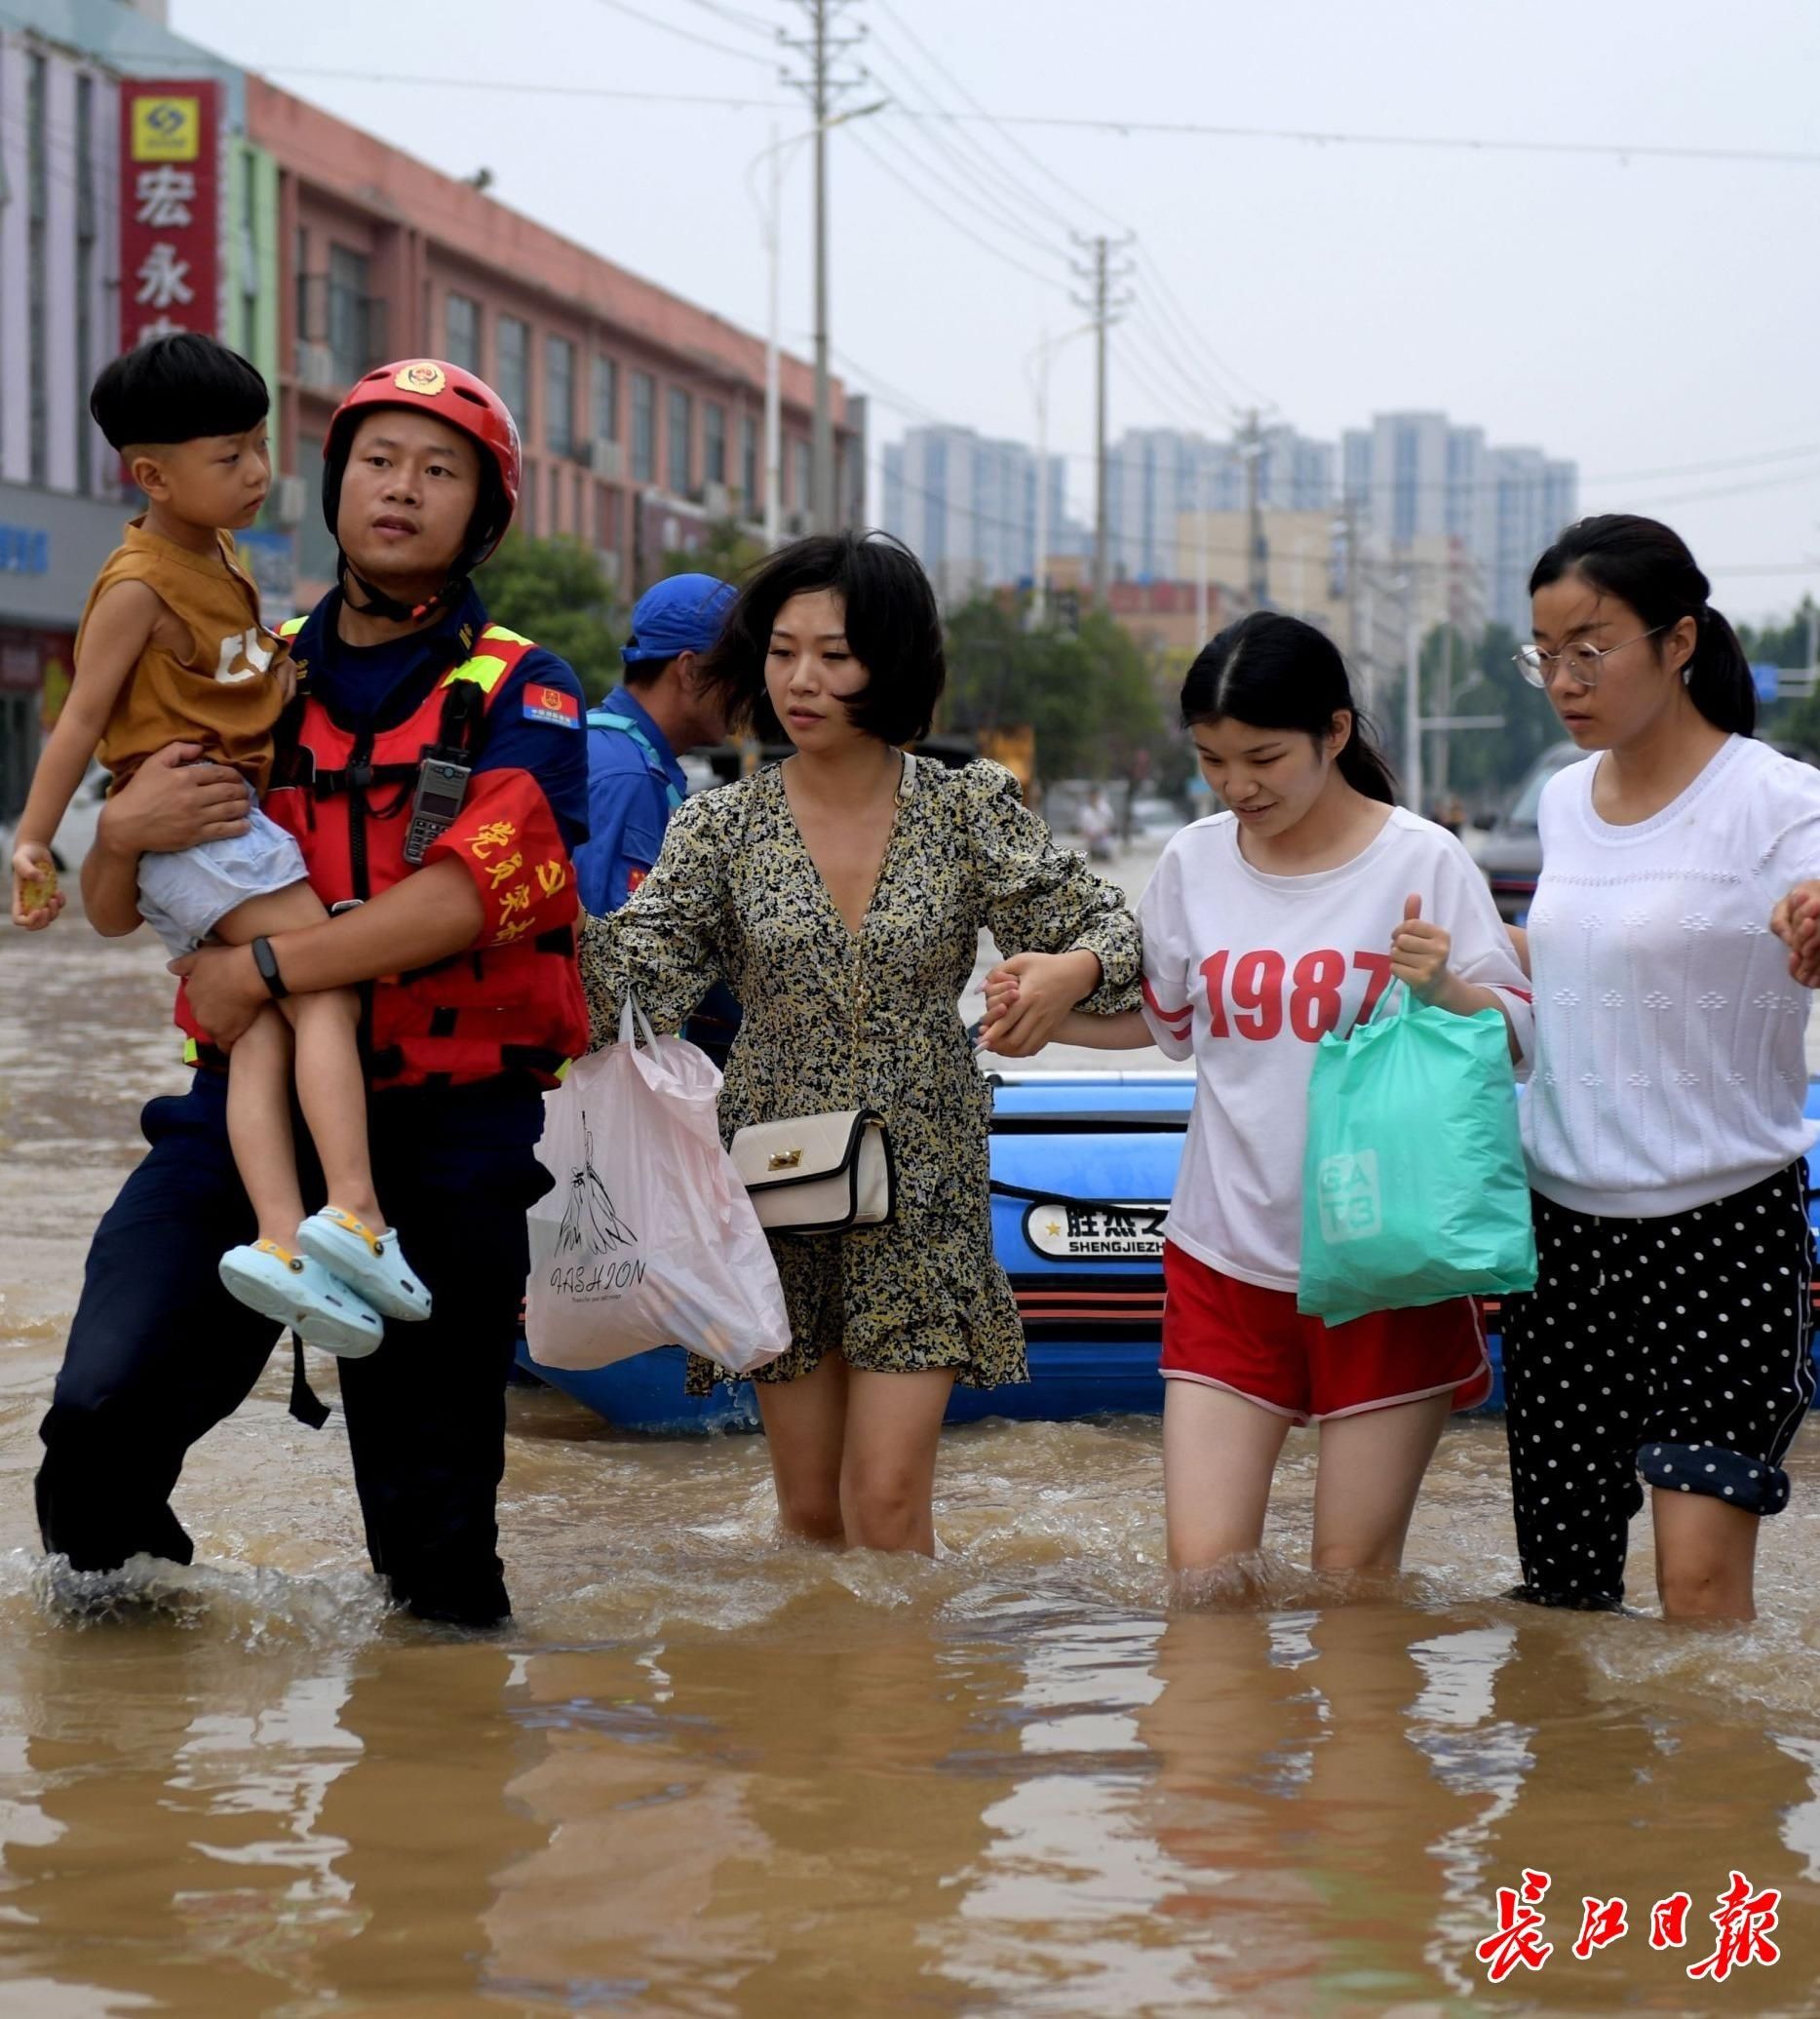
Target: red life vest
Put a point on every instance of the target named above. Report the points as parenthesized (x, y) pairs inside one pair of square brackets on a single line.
[(346, 797)]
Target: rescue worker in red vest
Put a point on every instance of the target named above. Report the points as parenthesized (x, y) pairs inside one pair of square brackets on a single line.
[(435, 774)]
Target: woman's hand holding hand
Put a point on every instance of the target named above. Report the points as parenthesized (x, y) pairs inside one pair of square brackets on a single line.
[(1028, 997), (1796, 922)]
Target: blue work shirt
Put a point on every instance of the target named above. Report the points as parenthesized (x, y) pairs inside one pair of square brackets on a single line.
[(630, 801), (629, 806)]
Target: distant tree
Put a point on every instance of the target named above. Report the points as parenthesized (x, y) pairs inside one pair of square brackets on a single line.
[(1781, 645), (1484, 766), (1090, 698), (556, 591)]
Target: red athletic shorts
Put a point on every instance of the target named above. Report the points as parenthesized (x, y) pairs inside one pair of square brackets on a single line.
[(1231, 1335)]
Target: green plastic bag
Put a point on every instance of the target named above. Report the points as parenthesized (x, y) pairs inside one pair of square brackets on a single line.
[(1413, 1187)]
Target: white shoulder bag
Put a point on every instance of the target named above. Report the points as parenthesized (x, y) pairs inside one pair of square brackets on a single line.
[(822, 1173)]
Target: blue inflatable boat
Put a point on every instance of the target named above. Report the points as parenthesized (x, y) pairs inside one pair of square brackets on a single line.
[(1083, 1165)]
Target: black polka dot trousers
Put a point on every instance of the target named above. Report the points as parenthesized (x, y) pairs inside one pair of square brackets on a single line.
[(1675, 1351)]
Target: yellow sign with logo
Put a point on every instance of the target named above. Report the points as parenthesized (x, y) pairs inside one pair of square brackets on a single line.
[(167, 128)]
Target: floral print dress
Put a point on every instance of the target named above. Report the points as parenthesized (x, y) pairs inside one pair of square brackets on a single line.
[(836, 1019)]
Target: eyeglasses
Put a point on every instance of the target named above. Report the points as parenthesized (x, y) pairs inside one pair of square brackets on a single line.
[(1581, 663)]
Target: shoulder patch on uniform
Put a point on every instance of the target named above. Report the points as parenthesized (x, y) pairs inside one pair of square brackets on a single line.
[(552, 704)]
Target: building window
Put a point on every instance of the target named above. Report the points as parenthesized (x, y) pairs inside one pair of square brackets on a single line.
[(556, 500), (679, 458), (605, 399), (303, 309), (643, 428), (464, 333), (800, 476), (558, 396), (37, 179), (511, 372), (315, 547), (714, 443), (749, 462), (350, 313), (85, 274), (529, 493)]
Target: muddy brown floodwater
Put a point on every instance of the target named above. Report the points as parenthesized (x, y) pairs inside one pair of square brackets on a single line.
[(706, 1774)]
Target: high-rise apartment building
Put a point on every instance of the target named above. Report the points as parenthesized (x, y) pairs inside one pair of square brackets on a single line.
[(1154, 475), (1417, 477), (967, 506)]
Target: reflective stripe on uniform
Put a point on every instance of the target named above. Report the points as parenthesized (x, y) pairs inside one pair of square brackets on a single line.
[(483, 670)]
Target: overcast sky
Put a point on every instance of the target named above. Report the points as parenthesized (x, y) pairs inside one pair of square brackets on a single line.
[(1638, 316)]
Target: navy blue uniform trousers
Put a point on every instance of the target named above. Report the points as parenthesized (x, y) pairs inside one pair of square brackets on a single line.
[(159, 1353)]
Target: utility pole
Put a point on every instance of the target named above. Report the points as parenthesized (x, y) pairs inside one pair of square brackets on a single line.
[(822, 90), (1098, 277), (1259, 552), (1412, 693)]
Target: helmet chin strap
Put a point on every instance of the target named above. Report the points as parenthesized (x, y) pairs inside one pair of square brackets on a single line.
[(376, 603)]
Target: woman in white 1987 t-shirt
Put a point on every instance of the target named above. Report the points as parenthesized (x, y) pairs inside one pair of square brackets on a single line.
[(1668, 1330), (1265, 927)]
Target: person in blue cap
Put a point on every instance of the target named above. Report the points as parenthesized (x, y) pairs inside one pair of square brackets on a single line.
[(658, 713)]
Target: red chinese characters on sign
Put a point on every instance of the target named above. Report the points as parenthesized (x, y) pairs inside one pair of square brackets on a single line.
[(170, 209)]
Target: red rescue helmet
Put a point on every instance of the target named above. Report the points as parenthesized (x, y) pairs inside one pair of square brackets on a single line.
[(466, 402)]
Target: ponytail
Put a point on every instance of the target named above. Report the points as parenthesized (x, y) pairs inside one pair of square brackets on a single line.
[(1362, 764), (1719, 677), (1278, 673), (1648, 566)]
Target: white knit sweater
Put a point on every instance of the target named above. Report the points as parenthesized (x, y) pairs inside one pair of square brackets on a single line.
[(1670, 1062)]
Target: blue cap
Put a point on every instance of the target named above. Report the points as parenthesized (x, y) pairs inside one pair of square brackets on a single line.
[(683, 613)]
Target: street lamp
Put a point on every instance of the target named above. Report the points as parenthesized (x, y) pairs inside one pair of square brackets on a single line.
[(768, 221), (1039, 385)]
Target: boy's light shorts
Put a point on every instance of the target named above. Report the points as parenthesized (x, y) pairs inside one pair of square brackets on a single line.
[(183, 897)]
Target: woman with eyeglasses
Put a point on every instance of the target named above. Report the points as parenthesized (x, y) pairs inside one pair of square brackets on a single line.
[(1667, 1339)]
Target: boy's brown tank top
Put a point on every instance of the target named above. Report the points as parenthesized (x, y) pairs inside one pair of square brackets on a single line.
[(225, 694)]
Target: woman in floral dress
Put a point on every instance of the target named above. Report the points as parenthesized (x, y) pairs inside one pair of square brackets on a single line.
[(840, 895)]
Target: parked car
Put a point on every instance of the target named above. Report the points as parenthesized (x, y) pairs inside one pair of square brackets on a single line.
[(75, 832), (1511, 854)]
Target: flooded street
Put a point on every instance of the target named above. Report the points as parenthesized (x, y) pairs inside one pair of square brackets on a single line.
[(705, 1773)]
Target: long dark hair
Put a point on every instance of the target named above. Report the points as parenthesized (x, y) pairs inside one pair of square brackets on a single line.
[(1644, 565), (893, 627), (1278, 673)]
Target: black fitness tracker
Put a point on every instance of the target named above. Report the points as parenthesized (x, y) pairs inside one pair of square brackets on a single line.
[(266, 961)]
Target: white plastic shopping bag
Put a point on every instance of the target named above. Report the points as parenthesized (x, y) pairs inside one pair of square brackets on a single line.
[(649, 1238)]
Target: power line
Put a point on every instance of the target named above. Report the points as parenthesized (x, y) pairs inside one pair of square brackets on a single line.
[(947, 217), (1179, 317), (1618, 151), (1205, 395), (1028, 193), (1723, 462), (1605, 150), (753, 23), (988, 177), (655, 21), (1002, 219), (552, 90)]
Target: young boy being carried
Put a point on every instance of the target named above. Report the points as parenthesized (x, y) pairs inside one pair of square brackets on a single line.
[(171, 649)]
